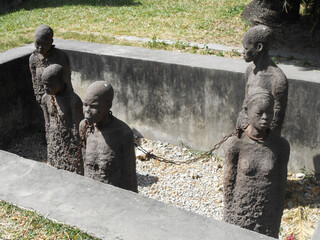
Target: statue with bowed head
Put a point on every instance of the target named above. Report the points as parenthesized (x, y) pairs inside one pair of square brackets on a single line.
[(108, 151), (255, 171), (62, 110)]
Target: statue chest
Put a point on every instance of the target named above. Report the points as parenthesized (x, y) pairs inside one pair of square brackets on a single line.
[(100, 156), (262, 80), (257, 160)]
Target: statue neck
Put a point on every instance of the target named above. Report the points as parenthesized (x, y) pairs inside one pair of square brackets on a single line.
[(262, 62), (105, 121), (255, 134)]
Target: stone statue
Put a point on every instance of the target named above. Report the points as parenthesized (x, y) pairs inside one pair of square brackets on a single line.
[(62, 110), (264, 73), (45, 55), (255, 171), (108, 152)]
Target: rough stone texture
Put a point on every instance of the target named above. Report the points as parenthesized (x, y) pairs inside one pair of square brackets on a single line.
[(62, 110), (263, 73), (108, 151), (45, 55), (263, 12), (101, 209), (256, 171), (144, 74)]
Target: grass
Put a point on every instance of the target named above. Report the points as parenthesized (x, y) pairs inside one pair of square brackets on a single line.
[(16, 223), (203, 21)]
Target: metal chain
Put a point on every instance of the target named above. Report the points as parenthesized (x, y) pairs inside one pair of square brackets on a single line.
[(56, 115), (150, 155)]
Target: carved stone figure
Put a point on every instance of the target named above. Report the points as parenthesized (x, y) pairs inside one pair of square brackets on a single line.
[(108, 152), (255, 171), (62, 110), (45, 55), (263, 73)]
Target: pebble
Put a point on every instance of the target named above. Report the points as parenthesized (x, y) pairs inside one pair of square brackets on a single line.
[(193, 187)]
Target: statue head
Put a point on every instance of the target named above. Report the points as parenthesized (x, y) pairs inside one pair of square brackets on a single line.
[(97, 101), (43, 39), (52, 78), (256, 40), (260, 105)]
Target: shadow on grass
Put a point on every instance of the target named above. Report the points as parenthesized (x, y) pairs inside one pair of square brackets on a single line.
[(34, 4)]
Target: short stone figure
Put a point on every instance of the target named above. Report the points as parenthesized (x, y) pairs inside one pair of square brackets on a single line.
[(263, 73), (255, 171), (108, 151), (62, 110), (45, 55)]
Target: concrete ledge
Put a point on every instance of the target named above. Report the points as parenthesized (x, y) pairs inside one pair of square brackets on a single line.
[(316, 234), (103, 210)]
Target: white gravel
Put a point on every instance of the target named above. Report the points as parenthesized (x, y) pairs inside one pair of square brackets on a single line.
[(194, 187)]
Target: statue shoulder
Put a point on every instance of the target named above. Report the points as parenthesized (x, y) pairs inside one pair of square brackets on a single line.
[(123, 128), (249, 70), (60, 53), (233, 144), (33, 59)]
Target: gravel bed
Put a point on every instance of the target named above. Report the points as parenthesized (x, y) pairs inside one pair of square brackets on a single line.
[(195, 187)]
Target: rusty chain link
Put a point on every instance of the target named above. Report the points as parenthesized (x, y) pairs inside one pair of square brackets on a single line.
[(150, 155)]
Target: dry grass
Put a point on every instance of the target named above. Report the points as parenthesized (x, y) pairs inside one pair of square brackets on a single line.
[(203, 21), (16, 223)]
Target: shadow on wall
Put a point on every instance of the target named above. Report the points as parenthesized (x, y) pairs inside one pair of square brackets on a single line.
[(316, 164)]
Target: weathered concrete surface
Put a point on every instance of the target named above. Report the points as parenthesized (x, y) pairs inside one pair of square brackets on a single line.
[(316, 234), (190, 98), (19, 112), (103, 210)]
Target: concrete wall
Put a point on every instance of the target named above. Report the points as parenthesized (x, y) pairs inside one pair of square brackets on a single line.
[(190, 98), (19, 112)]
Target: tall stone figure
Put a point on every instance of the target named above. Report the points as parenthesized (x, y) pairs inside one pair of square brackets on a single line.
[(263, 73), (108, 151), (62, 110), (255, 171), (45, 55)]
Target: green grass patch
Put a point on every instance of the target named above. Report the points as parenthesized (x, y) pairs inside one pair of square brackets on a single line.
[(16, 223), (203, 21)]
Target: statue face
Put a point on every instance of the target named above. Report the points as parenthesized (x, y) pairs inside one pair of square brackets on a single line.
[(250, 51), (43, 45), (94, 110), (52, 87), (260, 114)]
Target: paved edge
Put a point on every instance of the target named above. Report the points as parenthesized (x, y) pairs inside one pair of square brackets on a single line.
[(103, 210)]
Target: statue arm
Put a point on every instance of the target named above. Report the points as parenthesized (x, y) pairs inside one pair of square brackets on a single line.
[(83, 137), (280, 93), (32, 66), (77, 112), (230, 174), (44, 106), (129, 169)]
